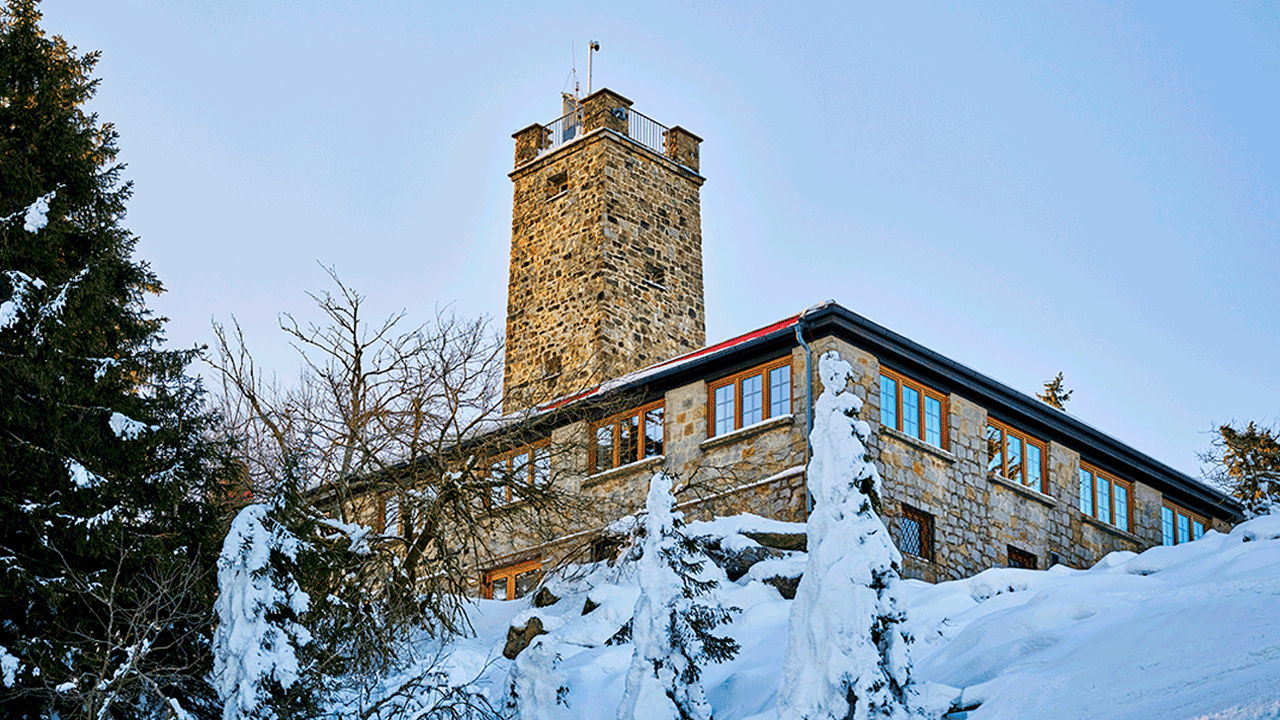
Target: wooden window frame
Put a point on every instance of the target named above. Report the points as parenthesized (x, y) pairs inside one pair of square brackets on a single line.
[(1019, 558), (766, 401), (1191, 517), (641, 413), (925, 392), (508, 457), (510, 573), (1027, 439), (1094, 472), (925, 521)]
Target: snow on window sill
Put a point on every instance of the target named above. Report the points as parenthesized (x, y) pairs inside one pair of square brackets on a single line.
[(1023, 490), (919, 444), (637, 466), (746, 432)]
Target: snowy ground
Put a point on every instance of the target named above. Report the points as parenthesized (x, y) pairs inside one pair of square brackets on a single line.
[(1191, 631)]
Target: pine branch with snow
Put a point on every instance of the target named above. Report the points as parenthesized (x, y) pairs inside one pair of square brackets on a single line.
[(848, 653)]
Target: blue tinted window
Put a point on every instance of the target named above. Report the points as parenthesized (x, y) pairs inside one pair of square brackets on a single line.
[(542, 466), (780, 391), (653, 432), (1122, 507), (724, 405), (1166, 526), (933, 421), (911, 411), (1033, 467), (888, 402), (1086, 492), (995, 450), (604, 447), (752, 400)]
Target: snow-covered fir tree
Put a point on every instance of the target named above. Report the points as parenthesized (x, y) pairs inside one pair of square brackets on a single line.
[(295, 628), (847, 657), (673, 620), (259, 645), (107, 539)]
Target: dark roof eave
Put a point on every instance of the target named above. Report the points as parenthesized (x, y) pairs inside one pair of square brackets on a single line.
[(910, 356)]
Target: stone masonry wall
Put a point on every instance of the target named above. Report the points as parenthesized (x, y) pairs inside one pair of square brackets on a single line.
[(606, 267), (976, 517), (650, 235)]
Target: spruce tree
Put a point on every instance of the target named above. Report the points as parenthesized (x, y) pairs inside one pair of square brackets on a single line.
[(848, 652), (673, 620), (1055, 393), (262, 666), (107, 540)]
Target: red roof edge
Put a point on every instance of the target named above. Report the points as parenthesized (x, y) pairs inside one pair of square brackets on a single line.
[(730, 342), (708, 350)]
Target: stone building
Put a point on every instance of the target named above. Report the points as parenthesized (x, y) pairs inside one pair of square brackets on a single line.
[(606, 302)]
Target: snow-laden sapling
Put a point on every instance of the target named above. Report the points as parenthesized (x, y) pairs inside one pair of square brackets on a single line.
[(258, 646), (673, 620), (535, 688), (847, 657)]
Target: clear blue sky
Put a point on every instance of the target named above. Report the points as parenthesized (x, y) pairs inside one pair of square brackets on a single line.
[(1024, 187)]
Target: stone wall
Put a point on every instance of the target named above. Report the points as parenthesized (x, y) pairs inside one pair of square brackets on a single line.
[(977, 517), (760, 469), (606, 265)]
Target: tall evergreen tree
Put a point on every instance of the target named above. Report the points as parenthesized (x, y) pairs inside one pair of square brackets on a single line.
[(107, 539)]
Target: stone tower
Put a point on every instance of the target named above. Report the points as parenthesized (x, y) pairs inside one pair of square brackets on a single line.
[(606, 249)]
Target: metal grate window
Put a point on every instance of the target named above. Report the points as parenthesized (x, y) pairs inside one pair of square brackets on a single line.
[(915, 533)]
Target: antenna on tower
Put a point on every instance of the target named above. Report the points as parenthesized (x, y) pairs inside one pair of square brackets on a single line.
[(569, 103), (593, 47)]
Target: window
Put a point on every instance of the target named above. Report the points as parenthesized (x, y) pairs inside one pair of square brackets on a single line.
[(513, 581), (655, 275), (1105, 497), (915, 532), (1015, 455), (632, 436), (1021, 559), (1179, 525), (557, 185), (526, 466), (912, 408), (750, 397)]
